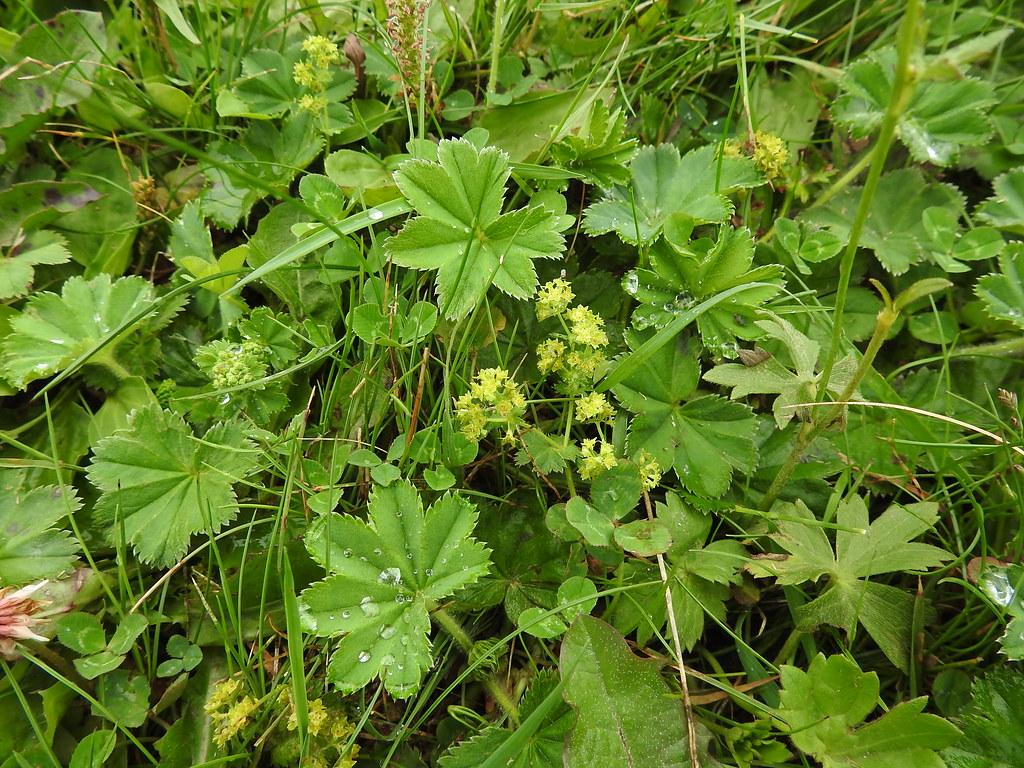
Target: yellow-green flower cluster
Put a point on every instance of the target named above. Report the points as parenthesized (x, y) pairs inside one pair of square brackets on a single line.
[(770, 154), (594, 460), (593, 406), (329, 731), (554, 298), (577, 354), (493, 399), (650, 471), (314, 71), (229, 712)]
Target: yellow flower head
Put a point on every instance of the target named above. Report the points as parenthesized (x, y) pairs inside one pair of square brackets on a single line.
[(594, 407), (234, 720), (593, 461), (553, 298), (650, 471), (315, 105), (549, 355), (586, 328), (223, 694), (770, 154), (493, 397), (321, 51)]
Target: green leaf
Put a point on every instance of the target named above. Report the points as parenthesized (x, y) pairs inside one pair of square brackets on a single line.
[(537, 743), (54, 331), (768, 375), (825, 708), (33, 204), (683, 276), (625, 715), (461, 231), (645, 538), (82, 633), (600, 151), (862, 550), (1005, 209), (385, 574), (992, 724), (895, 228), (804, 243), (94, 749), (1003, 293), (703, 440), (124, 697), (30, 547), (160, 484), (939, 119), (666, 187), (52, 65), (16, 271)]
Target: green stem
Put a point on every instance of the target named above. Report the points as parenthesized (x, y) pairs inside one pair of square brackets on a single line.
[(844, 181), (496, 36), (810, 431), (902, 89), (455, 630)]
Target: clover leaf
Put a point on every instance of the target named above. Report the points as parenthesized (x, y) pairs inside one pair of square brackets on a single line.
[(702, 439), (668, 188), (461, 231), (1003, 293), (826, 706), (862, 550), (700, 575), (385, 575), (161, 484), (682, 276), (939, 119), (768, 375), (896, 226), (30, 547), (53, 331)]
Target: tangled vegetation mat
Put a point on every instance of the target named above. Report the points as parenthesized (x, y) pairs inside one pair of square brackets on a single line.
[(525, 383)]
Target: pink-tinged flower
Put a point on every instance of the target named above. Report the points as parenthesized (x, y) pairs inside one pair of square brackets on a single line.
[(18, 617)]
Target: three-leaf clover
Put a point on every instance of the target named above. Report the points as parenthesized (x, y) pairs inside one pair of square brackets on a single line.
[(53, 331), (770, 376), (896, 226), (666, 188), (862, 550), (699, 576), (826, 706), (461, 231), (30, 547), (702, 439), (83, 633), (939, 119), (385, 575), (682, 276), (161, 484)]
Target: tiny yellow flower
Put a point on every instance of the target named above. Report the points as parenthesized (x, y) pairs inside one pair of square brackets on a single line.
[(305, 74), (234, 720), (553, 298), (586, 328), (316, 714), (224, 693), (594, 407)]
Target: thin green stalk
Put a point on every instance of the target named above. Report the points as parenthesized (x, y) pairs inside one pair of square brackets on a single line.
[(454, 629), (902, 89), (496, 36)]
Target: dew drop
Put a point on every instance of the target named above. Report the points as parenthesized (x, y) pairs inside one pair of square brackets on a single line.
[(368, 607), (387, 632), (390, 576), (364, 656), (387, 660), (346, 614), (429, 572), (374, 214), (225, 400), (346, 552), (377, 551)]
